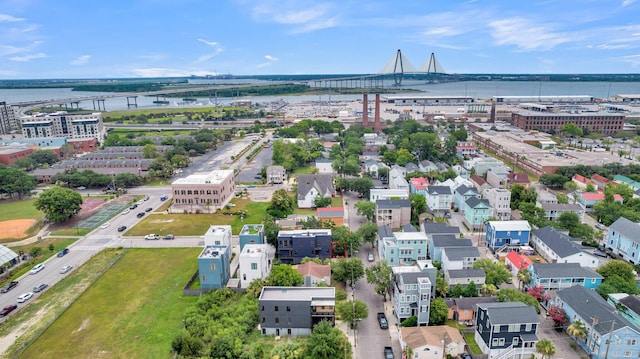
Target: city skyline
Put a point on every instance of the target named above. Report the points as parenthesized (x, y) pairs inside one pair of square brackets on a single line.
[(161, 38)]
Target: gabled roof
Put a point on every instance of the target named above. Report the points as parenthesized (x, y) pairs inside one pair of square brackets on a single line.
[(632, 302), (436, 190), (509, 313), (313, 269), (599, 178), (510, 225), (411, 167), (409, 228), (465, 190), (392, 203), (418, 337), (439, 228), (518, 260), (559, 243), (471, 302), (518, 178), (460, 253), (449, 240), (562, 207), (563, 270), (578, 178), (626, 228), (474, 202), (466, 273), (323, 182), (598, 196), (419, 183), (479, 180), (385, 231)]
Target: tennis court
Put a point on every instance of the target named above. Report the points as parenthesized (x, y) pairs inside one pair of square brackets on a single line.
[(104, 215)]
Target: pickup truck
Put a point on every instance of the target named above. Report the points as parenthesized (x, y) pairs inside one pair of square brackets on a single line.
[(382, 321), (388, 353)]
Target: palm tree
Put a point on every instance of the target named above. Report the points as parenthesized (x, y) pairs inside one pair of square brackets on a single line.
[(524, 277), (546, 348), (577, 330)]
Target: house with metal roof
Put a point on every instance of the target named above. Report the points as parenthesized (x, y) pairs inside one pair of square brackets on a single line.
[(462, 194), (624, 240), (556, 247), (439, 199), (412, 296), (403, 248), (553, 211), (463, 277), (609, 335), (439, 241), (507, 330), (554, 276), (628, 306), (394, 213), (459, 257), (504, 234), (476, 212)]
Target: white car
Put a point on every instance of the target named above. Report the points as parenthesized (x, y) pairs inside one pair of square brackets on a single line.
[(37, 268), (65, 269), (140, 202), (105, 225), (25, 297), (126, 211)]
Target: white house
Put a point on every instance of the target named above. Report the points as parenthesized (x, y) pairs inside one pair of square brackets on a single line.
[(255, 262), (439, 198), (556, 247), (218, 235), (312, 186), (500, 200), (459, 257), (388, 193)]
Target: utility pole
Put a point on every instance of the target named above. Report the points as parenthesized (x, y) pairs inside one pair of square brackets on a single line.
[(606, 352)]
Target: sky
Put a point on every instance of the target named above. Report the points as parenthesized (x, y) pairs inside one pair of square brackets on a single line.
[(41, 39)]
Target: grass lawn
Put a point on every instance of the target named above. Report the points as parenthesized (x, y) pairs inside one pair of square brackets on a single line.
[(471, 342), (18, 209), (336, 202), (72, 232), (304, 170), (128, 312), (58, 244)]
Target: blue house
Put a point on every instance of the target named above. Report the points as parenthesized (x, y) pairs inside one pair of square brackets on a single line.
[(251, 234), (554, 276), (507, 233), (624, 240), (476, 212), (440, 241), (462, 194), (609, 335), (401, 248), (293, 246), (628, 306), (214, 267), (507, 330)]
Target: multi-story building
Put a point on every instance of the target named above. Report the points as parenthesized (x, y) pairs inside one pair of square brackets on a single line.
[(459, 257), (418, 185), (394, 213), (624, 240), (295, 310), (387, 194), (553, 211), (293, 246), (218, 235), (462, 194), (63, 124), (606, 124), (312, 186), (203, 192), (554, 276), (439, 199), (412, 296), (251, 234), (255, 262), (507, 330), (476, 212), (9, 155), (556, 247), (214, 264), (401, 248), (276, 174), (8, 122), (507, 233), (463, 277), (500, 200)]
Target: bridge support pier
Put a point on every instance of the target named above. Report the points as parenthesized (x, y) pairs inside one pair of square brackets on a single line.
[(98, 101), (134, 103)]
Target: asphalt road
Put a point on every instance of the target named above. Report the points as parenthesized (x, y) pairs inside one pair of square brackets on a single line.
[(254, 167)]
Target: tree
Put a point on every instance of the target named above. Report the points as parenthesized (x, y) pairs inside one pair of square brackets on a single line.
[(617, 267), (520, 194), (438, 312), (150, 151), (442, 288), (312, 222), (347, 269), (352, 311), (471, 290), (379, 275), (59, 204), (287, 350), (572, 130), (569, 220), (577, 330), (418, 206), (514, 295), (590, 187), (283, 275), (365, 208), (553, 180), (271, 230), (326, 342), (368, 232), (538, 293), (44, 157), (352, 239), (15, 181), (404, 157), (562, 198), (186, 345), (488, 290), (322, 201), (558, 315), (281, 205), (496, 273), (546, 348), (524, 277)]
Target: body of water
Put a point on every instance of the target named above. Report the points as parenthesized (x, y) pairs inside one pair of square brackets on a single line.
[(475, 89)]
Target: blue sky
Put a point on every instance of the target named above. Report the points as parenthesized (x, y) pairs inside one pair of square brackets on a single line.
[(143, 38)]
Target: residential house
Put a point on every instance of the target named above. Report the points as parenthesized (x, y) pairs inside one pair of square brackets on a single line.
[(218, 235), (412, 296), (623, 240), (427, 166), (371, 166), (555, 276), (333, 215), (438, 242), (276, 174), (214, 264), (255, 262), (459, 257), (461, 171), (600, 181), (402, 248), (251, 234), (500, 201), (498, 177), (463, 277), (516, 262), (431, 228), (589, 199), (519, 178), (295, 310), (439, 199), (608, 334), (554, 211), (397, 180), (581, 181), (295, 245), (400, 170), (546, 197), (324, 166), (462, 194), (411, 167), (479, 183), (482, 165), (476, 212), (507, 233), (556, 247), (418, 185), (314, 273), (507, 330), (463, 310), (385, 193), (312, 186), (394, 213), (635, 185), (369, 155), (628, 306), (427, 342), (466, 149)]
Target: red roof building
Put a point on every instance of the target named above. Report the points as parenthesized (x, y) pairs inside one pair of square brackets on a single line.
[(516, 261), (419, 184), (519, 178)]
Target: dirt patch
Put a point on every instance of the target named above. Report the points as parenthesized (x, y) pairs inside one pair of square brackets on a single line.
[(84, 324), (162, 220), (15, 228)]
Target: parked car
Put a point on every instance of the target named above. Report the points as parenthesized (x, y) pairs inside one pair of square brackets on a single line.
[(37, 268), (66, 269), (8, 309), (63, 252), (82, 188), (140, 214), (126, 211), (133, 206), (7, 287), (164, 197), (148, 209), (382, 321), (152, 237), (105, 225), (40, 287), (168, 237), (25, 297), (122, 228), (388, 353), (146, 198), (370, 257), (600, 226)]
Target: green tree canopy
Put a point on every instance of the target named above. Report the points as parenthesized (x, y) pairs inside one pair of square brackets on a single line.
[(365, 208), (282, 204), (352, 311), (496, 273), (514, 295), (438, 312), (546, 348), (283, 275), (347, 270), (59, 204), (379, 275)]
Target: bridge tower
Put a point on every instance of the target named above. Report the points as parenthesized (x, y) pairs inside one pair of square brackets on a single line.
[(398, 66)]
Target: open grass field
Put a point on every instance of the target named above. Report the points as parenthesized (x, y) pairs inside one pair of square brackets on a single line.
[(19, 209), (134, 310)]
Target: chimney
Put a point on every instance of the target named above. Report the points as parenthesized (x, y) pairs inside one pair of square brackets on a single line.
[(376, 121), (365, 111)]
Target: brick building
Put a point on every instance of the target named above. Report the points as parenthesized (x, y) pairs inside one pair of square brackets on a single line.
[(203, 191)]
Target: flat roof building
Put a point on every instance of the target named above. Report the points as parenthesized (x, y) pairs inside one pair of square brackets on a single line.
[(63, 124), (202, 192)]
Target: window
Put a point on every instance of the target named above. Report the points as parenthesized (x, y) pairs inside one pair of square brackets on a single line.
[(631, 342), (494, 343), (262, 309), (514, 328), (527, 327), (276, 308), (263, 319), (254, 266), (277, 320), (515, 341), (288, 308), (496, 329), (212, 267)]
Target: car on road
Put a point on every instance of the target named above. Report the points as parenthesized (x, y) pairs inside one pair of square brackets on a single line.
[(600, 226), (126, 211), (140, 214), (122, 228), (140, 202), (66, 269), (382, 321), (388, 353), (37, 268), (25, 297), (40, 287), (164, 197), (7, 287), (133, 206), (168, 237), (81, 188), (146, 198), (152, 237), (8, 309), (148, 209), (63, 252), (370, 257), (105, 225)]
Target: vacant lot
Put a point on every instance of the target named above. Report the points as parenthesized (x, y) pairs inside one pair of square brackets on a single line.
[(133, 311)]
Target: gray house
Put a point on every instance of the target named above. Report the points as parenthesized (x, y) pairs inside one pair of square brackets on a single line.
[(276, 174), (312, 186), (507, 330), (412, 296), (440, 241), (295, 310)]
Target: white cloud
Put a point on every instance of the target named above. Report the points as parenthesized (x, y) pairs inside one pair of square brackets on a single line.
[(627, 2), (29, 57), (525, 35), (9, 18), (169, 72), (207, 57), (271, 58), (633, 60), (304, 16), (81, 60), (10, 49), (210, 43)]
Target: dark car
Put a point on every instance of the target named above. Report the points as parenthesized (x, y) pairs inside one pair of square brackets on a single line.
[(7, 287), (382, 321), (148, 209), (133, 206), (122, 228), (168, 237), (140, 215), (8, 309), (63, 252), (40, 287)]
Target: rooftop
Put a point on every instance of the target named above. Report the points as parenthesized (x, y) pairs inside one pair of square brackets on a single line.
[(213, 251), (510, 225), (213, 177), (297, 293)]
